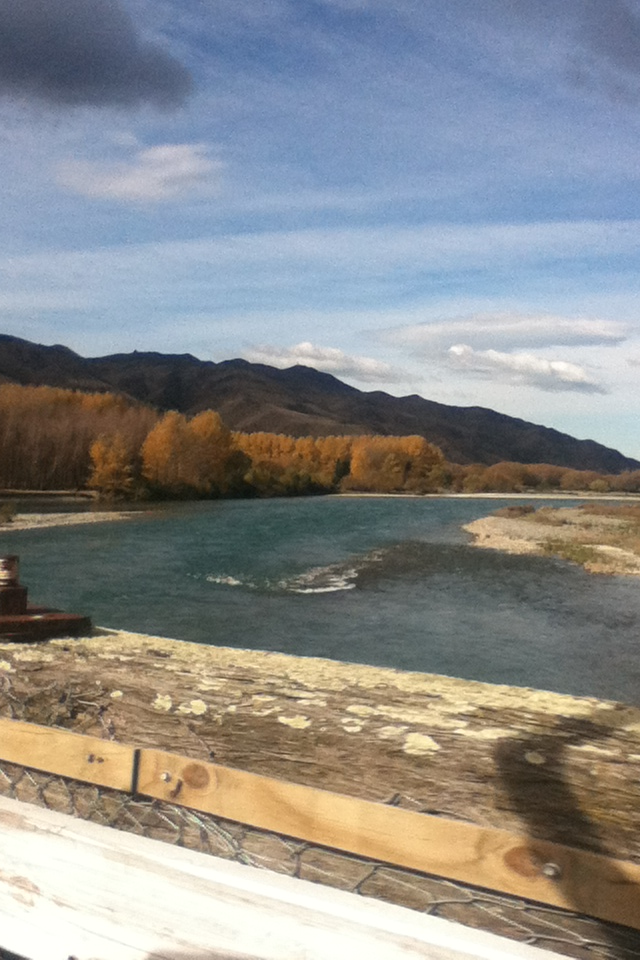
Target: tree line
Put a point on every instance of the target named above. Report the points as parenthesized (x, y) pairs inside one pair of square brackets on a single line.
[(58, 439)]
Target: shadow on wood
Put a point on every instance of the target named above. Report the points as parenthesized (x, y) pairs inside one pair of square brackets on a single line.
[(537, 765)]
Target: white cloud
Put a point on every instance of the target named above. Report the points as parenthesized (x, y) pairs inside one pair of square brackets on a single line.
[(508, 331), (327, 359), (164, 172), (523, 369)]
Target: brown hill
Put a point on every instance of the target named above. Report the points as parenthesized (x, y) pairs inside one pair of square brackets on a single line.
[(301, 401)]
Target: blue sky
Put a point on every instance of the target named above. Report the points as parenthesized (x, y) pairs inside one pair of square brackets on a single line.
[(425, 196)]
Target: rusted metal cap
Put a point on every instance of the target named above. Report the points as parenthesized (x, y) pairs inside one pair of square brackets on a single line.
[(9, 567)]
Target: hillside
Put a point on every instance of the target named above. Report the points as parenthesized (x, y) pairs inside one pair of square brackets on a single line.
[(301, 401)]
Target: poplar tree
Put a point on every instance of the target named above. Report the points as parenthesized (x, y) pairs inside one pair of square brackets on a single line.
[(111, 468)]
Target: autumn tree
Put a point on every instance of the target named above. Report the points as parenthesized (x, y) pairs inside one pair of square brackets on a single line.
[(503, 477), (164, 453), (182, 457), (578, 479), (542, 476), (425, 471), (334, 459), (628, 482), (388, 464), (207, 451), (285, 466), (111, 467), (214, 464), (46, 433)]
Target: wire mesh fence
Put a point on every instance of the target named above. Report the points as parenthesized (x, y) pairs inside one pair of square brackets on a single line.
[(546, 927)]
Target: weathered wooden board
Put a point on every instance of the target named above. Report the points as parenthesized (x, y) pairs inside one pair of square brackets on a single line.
[(485, 857), (103, 762), (74, 889)]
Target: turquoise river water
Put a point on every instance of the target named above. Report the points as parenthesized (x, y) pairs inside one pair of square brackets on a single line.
[(386, 581)]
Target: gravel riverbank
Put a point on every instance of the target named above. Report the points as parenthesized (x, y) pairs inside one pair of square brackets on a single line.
[(35, 521), (601, 542)]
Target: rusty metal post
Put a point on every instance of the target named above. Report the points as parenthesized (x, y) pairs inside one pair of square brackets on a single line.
[(13, 597), (24, 623)]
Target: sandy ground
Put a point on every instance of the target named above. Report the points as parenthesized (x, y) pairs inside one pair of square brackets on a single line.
[(34, 521), (524, 535)]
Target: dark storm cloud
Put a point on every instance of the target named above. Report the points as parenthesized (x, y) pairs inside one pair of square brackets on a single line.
[(83, 52), (594, 34), (612, 31)]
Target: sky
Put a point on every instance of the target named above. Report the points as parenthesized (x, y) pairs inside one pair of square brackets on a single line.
[(433, 197)]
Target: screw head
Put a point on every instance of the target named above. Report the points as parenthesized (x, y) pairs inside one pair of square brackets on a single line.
[(166, 776), (551, 870)]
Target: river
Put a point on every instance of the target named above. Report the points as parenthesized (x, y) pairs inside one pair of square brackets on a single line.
[(386, 581)]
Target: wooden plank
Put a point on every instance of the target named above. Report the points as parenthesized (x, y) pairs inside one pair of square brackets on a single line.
[(74, 889), (484, 856), (74, 755)]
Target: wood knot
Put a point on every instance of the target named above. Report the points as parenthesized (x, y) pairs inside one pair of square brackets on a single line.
[(523, 861), (196, 776)]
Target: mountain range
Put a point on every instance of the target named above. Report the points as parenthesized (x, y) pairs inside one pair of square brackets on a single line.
[(301, 401)]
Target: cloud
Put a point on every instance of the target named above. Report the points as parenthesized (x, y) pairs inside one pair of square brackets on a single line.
[(497, 346), (155, 174), (69, 52), (523, 369), (591, 44), (508, 331), (327, 359), (612, 30)]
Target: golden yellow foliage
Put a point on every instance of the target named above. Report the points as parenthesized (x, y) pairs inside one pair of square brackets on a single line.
[(46, 433), (394, 464), (112, 468)]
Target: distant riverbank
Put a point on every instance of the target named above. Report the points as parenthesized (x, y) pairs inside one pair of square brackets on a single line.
[(601, 539), (36, 521)]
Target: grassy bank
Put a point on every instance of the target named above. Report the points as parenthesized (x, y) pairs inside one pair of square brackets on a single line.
[(603, 538)]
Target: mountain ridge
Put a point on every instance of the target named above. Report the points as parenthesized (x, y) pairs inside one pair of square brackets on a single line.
[(301, 401)]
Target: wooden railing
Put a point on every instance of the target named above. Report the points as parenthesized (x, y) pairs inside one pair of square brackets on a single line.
[(487, 857)]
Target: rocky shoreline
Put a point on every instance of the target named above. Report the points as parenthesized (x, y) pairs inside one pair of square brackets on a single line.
[(602, 543)]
